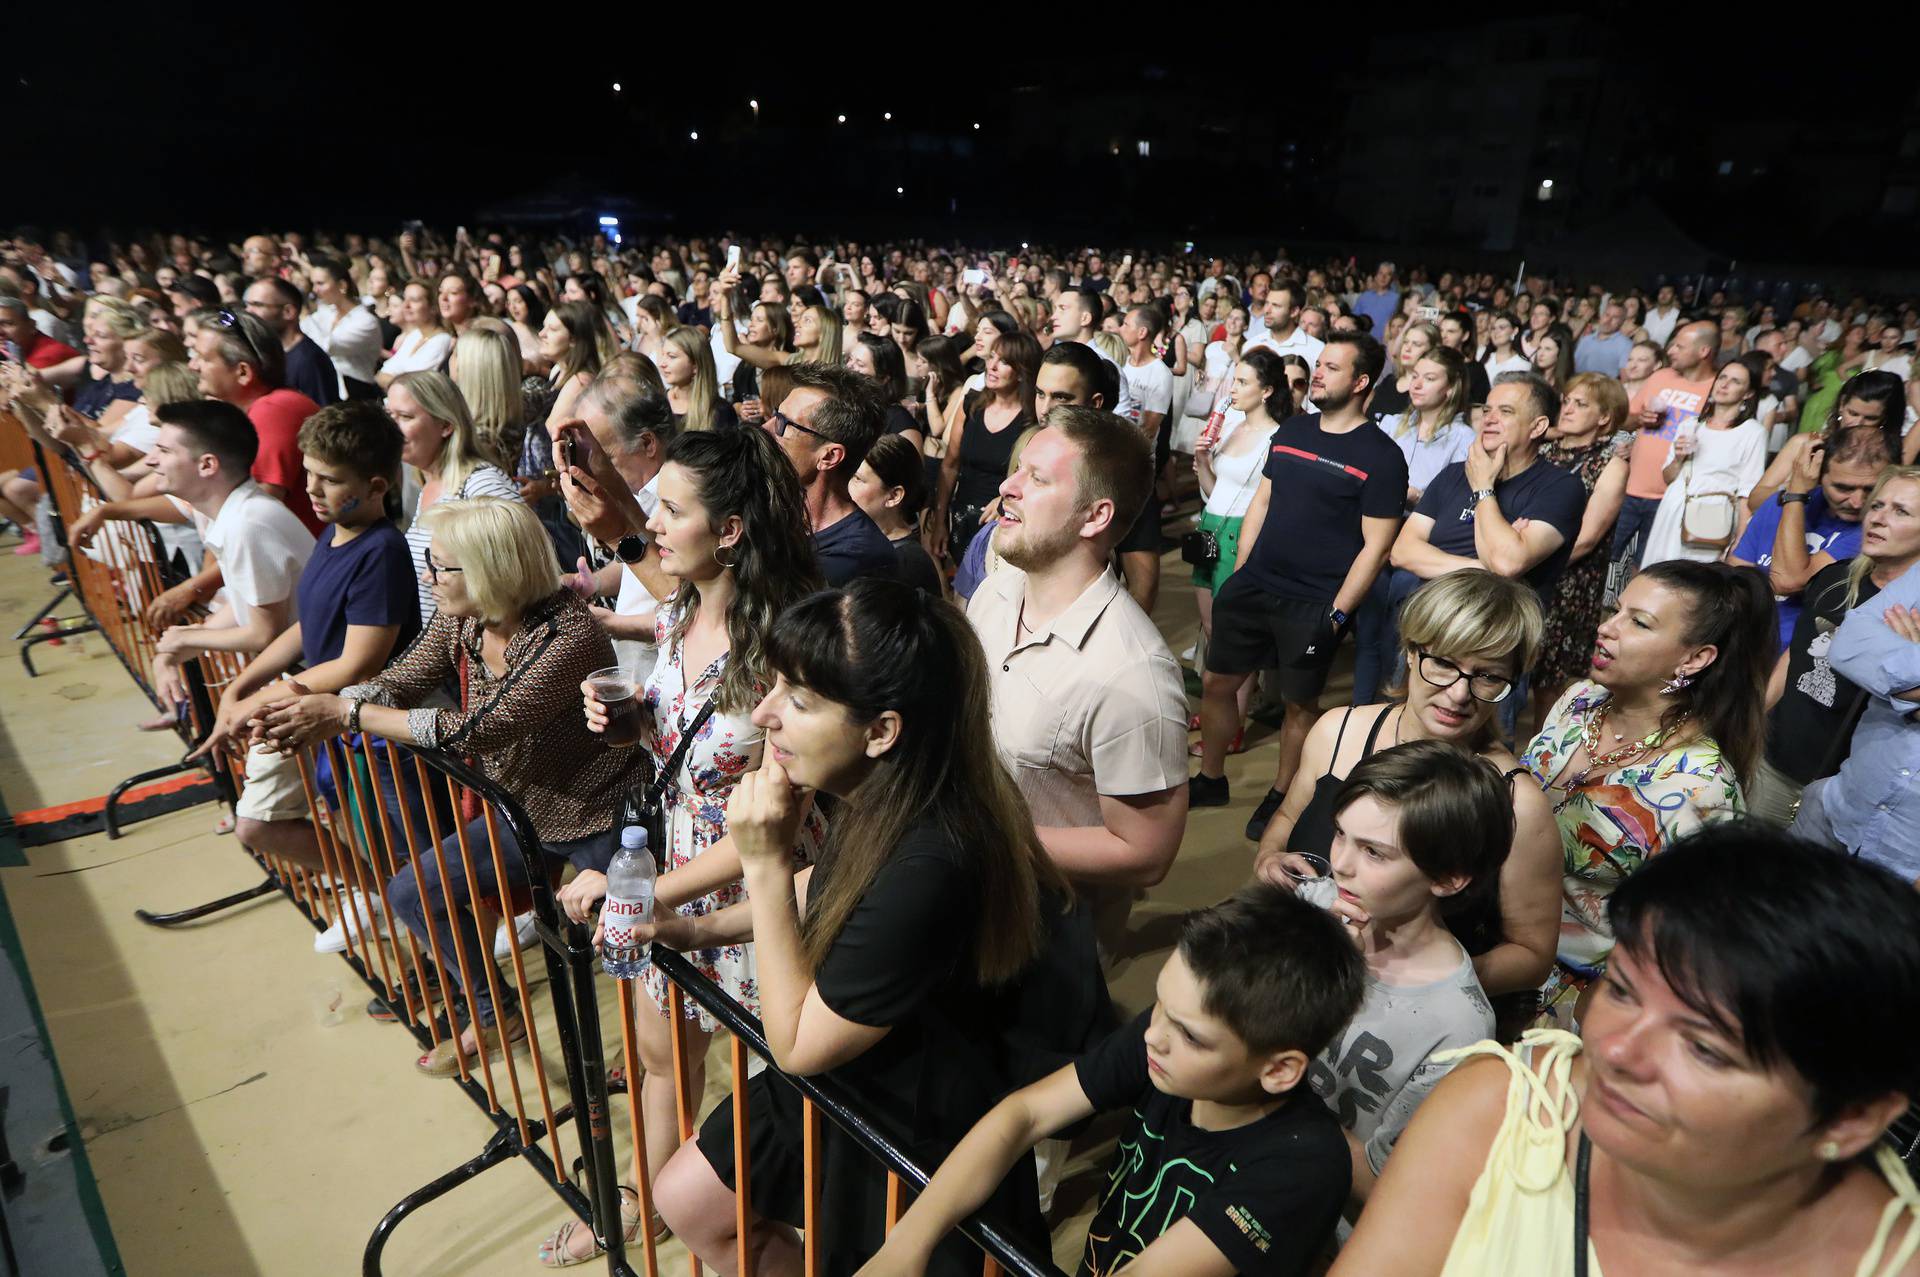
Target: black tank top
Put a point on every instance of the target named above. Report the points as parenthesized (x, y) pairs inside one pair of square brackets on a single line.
[(1313, 832), (984, 456)]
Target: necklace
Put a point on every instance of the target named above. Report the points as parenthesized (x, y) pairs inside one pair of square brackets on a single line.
[(1590, 739)]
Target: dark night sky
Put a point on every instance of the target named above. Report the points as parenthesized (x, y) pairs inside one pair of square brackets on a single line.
[(270, 120)]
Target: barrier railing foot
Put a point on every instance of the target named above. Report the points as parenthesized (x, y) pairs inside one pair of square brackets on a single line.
[(51, 636), (500, 1148), (109, 815), (266, 888), (65, 593)]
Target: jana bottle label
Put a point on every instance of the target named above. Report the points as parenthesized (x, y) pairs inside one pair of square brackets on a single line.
[(619, 918)]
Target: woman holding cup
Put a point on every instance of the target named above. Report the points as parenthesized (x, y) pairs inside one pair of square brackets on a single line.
[(731, 530), (1465, 638)]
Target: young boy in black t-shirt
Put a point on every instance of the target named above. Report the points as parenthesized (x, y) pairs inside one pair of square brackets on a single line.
[(1230, 1164)]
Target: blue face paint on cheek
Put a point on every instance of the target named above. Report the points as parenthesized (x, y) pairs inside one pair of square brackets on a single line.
[(347, 507)]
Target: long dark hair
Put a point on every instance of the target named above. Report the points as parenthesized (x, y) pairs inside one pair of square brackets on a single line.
[(536, 308), (1733, 611), (744, 473), (882, 645), (944, 371), (583, 322), (1883, 388)]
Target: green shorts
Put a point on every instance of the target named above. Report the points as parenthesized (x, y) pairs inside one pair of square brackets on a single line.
[(1227, 532)]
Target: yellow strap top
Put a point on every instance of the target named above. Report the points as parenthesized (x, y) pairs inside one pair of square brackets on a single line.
[(1519, 1218)]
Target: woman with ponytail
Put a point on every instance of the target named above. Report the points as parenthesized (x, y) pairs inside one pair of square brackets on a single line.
[(1656, 742)]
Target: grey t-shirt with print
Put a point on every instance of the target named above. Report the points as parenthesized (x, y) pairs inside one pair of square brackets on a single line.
[(1377, 1071)]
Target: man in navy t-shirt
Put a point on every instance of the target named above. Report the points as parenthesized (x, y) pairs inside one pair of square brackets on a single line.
[(1501, 509), (825, 426), (356, 609), (1814, 519), (1313, 539)]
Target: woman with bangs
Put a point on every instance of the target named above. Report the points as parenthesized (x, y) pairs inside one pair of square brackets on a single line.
[(730, 527), (768, 328), (979, 446), (923, 957), (1725, 1110), (1466, 638), (816, 334)]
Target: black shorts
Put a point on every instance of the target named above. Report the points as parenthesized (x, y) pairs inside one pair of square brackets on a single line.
[(1256, 630), (1144, 534)]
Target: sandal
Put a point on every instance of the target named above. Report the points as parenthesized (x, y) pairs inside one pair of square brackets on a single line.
[(554, 1251), (443, 1060), (1239, 745)]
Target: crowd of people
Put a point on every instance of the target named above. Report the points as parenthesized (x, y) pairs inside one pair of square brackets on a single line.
[(1583, 931)]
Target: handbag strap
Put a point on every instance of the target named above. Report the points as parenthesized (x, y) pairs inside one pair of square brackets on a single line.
[(1582, 1165), (679, 754)]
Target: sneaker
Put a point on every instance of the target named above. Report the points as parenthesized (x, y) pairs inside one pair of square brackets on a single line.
[(519, 936), (366, 914), (1257, 823), (1207, 791)]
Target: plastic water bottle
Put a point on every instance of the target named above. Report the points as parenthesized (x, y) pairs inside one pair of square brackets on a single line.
[(629, 904)]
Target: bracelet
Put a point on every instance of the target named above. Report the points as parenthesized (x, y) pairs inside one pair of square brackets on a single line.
[(353, 714)]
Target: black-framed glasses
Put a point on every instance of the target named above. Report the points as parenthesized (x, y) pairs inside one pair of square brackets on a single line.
[(435, 568), (779, 421), (1440, 672)]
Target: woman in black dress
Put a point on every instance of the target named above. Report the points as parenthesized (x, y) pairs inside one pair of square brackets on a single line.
[(976, 462), (921, 960)]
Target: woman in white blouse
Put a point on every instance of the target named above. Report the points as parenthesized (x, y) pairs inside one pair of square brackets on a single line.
[(345, 329), (424, 344)]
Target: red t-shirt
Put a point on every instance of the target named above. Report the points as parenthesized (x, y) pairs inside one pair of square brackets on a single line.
[(277, 417), (44, 352)]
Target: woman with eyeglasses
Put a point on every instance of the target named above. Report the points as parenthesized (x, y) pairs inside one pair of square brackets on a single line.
[(1654, 743), (1466, 638)]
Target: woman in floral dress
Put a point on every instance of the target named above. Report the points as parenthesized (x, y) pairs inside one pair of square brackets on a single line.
[(1582, 441), (731, 529), (1653, 744)]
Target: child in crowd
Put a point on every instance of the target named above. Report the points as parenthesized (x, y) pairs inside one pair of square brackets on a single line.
[(1419, 829), (356, 608), (1228, 1164)]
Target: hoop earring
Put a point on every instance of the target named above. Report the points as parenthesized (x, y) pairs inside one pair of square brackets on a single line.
[(727, 563), (1675, 685)]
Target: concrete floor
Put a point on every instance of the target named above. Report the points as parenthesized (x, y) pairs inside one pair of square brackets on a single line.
[(232, 1129)]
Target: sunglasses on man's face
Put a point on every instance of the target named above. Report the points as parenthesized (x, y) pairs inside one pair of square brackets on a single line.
[(779, 422)]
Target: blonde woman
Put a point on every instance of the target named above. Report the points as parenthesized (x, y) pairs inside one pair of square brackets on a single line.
[(686, 367), (423, 342), (439, 442), (1391, 396), (486, 368), (816, 337)]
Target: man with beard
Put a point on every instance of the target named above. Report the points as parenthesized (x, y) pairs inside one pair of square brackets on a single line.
[(1314, 538), (1088, 710)]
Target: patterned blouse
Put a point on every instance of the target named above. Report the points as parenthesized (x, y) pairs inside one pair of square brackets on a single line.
[(1616, 820), (525, 731), (728, 747)]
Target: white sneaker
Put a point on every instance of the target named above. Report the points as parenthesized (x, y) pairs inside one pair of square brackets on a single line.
[(366, 914), (1193, 650), (506, 941)]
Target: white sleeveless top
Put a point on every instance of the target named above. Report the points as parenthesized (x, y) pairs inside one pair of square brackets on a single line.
[(1237, 478)]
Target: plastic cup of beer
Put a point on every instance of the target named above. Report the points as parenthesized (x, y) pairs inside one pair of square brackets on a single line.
[(616, 691)]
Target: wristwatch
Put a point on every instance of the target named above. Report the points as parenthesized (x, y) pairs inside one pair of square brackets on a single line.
[(1481, 494), (630, 548), (353, 714), (1783, 496), (1338, 618)]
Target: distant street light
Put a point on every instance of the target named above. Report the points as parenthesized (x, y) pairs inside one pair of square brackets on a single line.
[(694, 136), (616, 86), (843, 119), (887, 115)]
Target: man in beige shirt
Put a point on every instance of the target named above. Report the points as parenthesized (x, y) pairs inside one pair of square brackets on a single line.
[(1088, 709)]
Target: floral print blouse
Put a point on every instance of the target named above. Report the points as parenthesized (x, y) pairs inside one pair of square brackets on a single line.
[(1614, 821), (729, 746)]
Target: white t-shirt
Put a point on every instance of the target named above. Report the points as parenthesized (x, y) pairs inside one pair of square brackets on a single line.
[(725, 362), (1796, 359), (1147, 388), (415, 352), (259, 544), (1299, 342), (353, 343), (1513, 363), (136, 429), (1898, 364), (1660, 324), (1125, 407)]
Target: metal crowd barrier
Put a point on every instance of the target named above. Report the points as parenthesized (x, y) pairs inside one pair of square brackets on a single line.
[(125, 569)]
